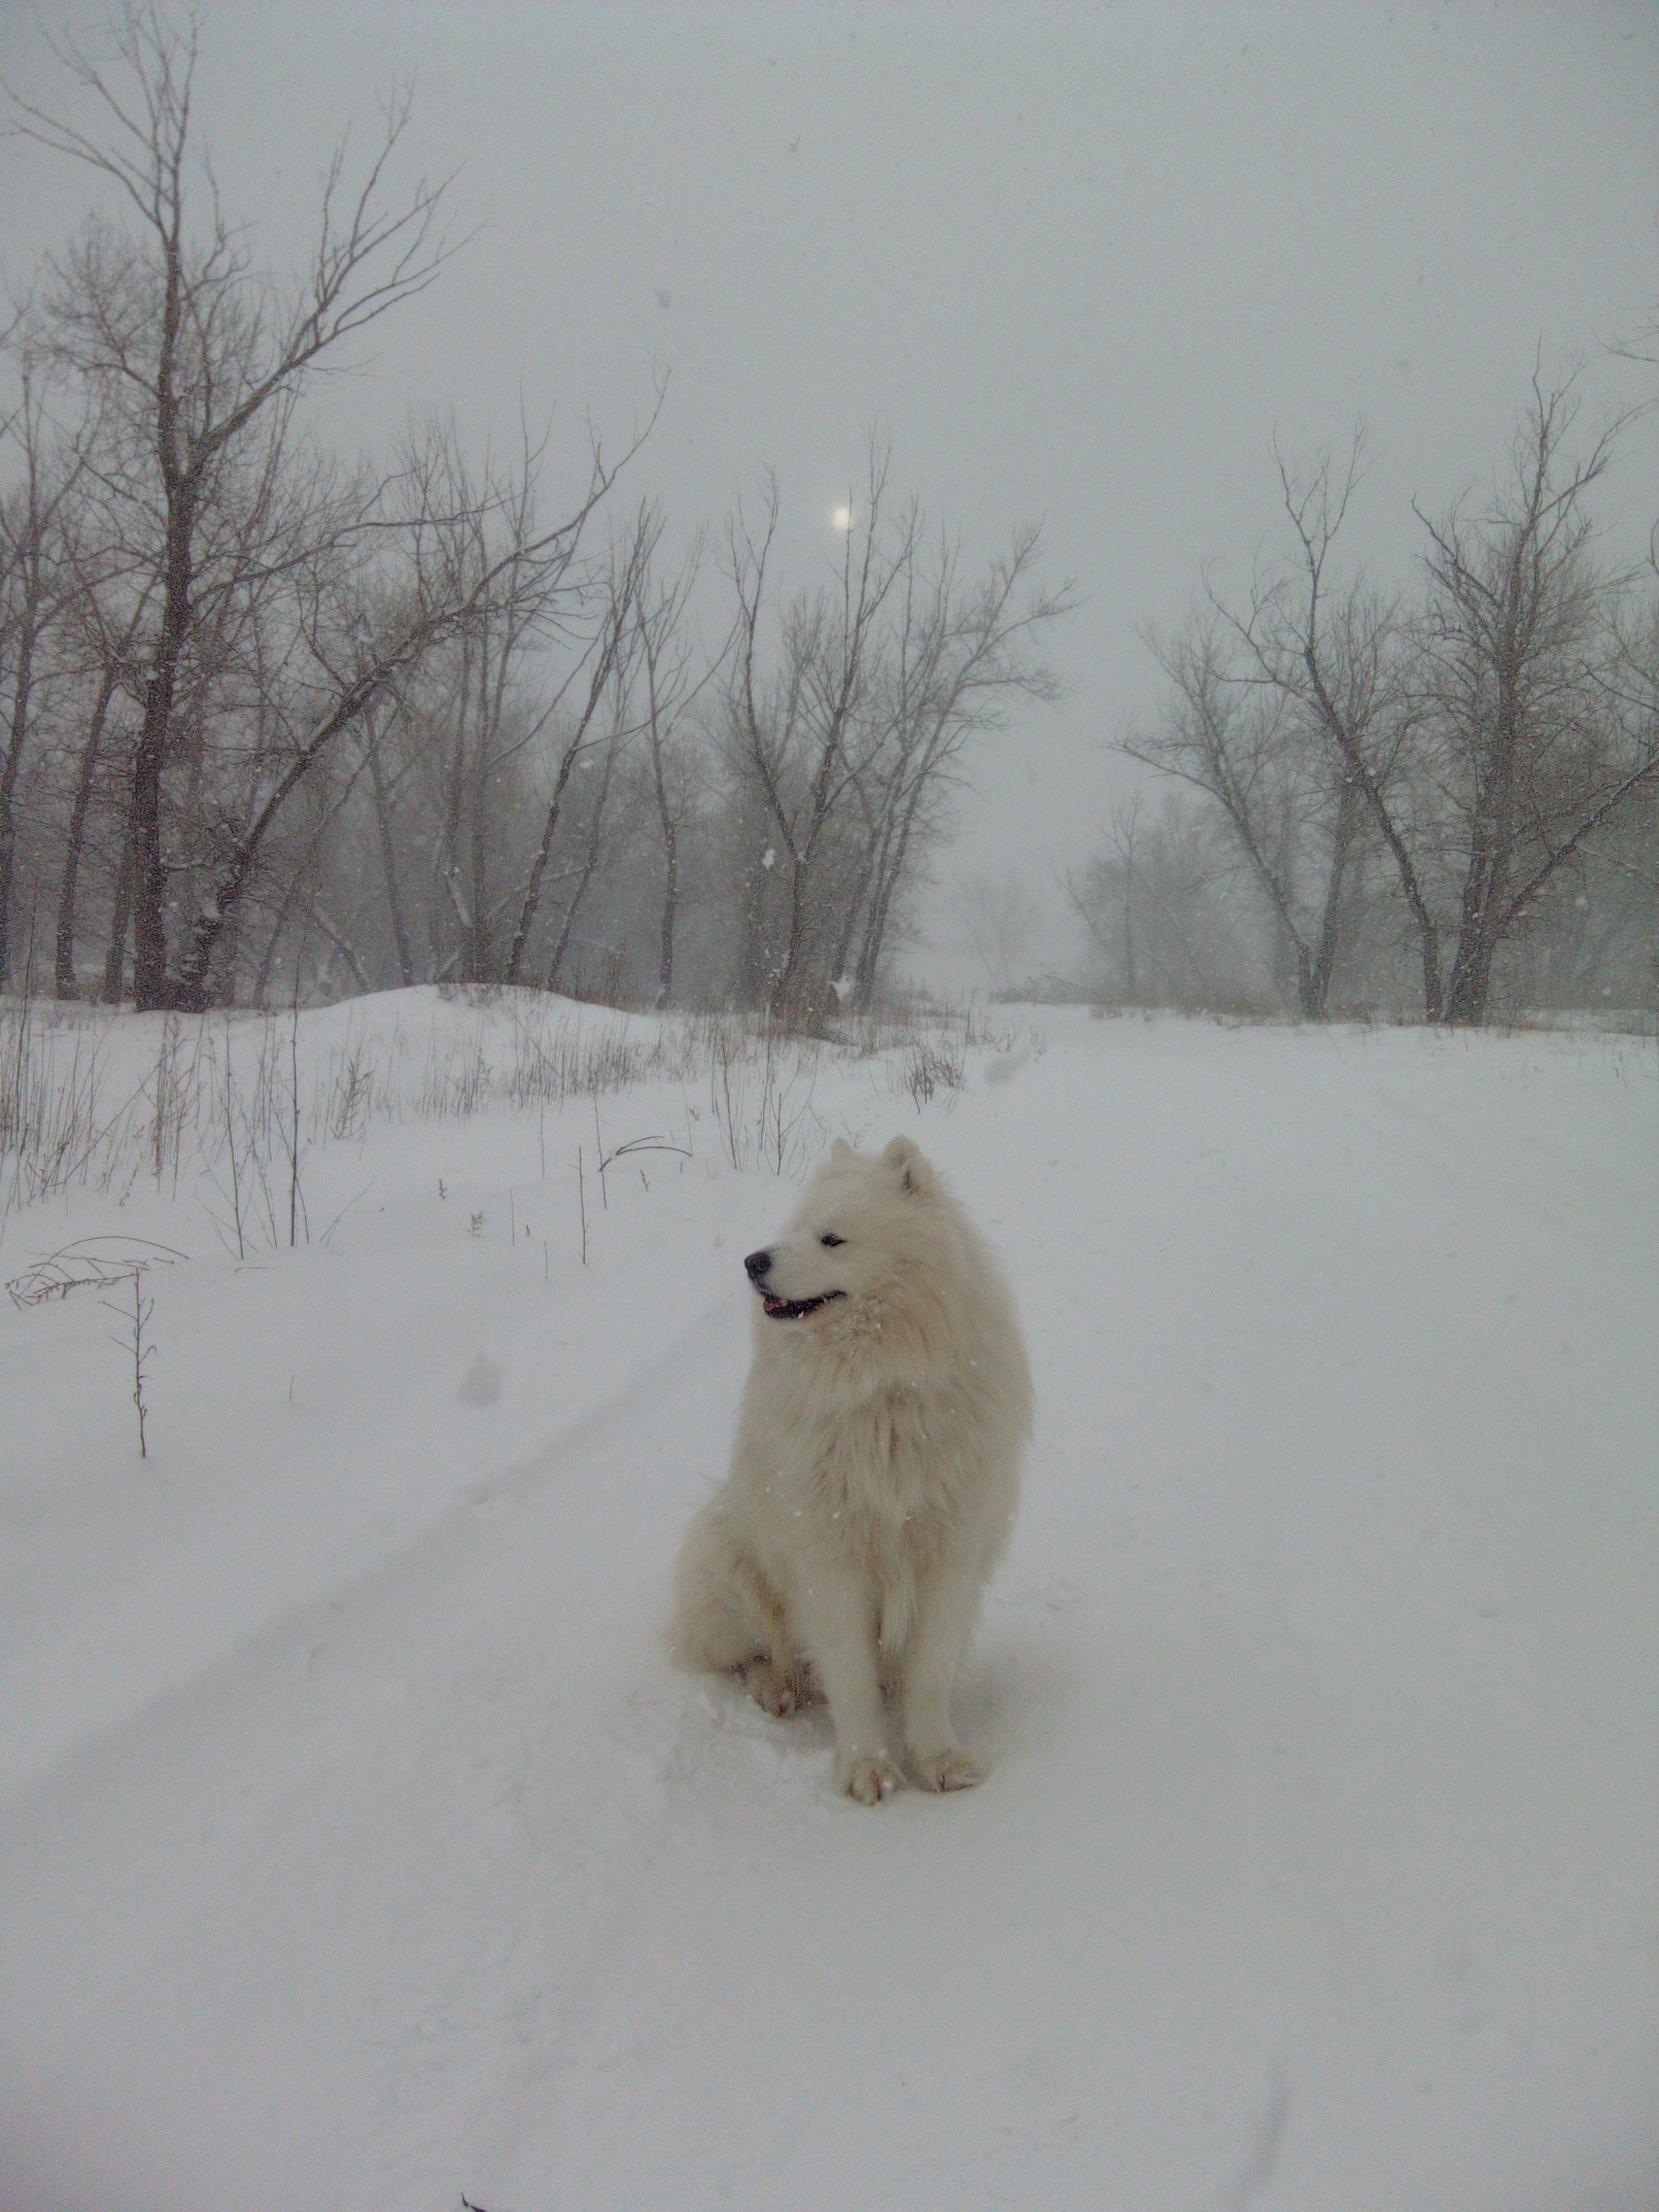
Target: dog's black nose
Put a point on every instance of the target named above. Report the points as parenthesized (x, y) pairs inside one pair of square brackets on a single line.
[(758, 1264)]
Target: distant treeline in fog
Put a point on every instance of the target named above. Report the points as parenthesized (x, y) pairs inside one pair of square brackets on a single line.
[(273, 727), (1443, 801)]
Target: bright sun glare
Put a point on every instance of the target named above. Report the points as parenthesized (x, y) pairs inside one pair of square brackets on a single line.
[(843, 518)]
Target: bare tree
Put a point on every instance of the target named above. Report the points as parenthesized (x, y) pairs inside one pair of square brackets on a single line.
[(605, 664), (849, 742), (1520, 726), (115, 659), (1488, 739), (36, 580), (1235, 728), (1337, 650), (669, 689), (474, 727), (603, 758), (180, 330), (361, 643), (1546, 724), (957, 655), (796, 734)]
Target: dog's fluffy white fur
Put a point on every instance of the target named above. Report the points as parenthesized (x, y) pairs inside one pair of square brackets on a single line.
[(876, 1470)]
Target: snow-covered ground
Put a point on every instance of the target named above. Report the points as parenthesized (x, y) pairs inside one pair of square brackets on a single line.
[(360, 1847)]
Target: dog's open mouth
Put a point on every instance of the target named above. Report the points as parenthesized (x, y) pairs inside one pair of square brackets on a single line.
[(779, 1308)]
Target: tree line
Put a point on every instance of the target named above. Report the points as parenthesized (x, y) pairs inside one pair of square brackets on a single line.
[(279, 726), (1442, 798)]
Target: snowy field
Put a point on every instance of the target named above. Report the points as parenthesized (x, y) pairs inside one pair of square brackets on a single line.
[(359, 1847)]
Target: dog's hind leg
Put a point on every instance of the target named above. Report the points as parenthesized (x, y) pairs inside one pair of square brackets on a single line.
[(730, 1621), (722, 1619), (775, 1689)]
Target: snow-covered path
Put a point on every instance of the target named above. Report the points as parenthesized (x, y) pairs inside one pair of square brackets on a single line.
[(1322, 1688)]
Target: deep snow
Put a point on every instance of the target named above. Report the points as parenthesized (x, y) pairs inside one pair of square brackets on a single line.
[(359, 1846)]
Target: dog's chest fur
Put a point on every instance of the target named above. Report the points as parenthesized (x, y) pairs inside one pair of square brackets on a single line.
[(881, 1469)]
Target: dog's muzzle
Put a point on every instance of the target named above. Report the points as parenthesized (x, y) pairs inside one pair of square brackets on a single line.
[(757, 1267), (778, 1308)]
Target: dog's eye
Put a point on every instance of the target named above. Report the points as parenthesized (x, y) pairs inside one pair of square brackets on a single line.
[(832, 1240)]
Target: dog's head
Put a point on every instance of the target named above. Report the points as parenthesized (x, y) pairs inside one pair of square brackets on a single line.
[(868, 1264)]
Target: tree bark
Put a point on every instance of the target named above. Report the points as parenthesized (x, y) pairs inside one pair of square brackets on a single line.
[(63, 950), (531, 904), (669, 903), (591, 860), (388, 855), (115, 954), (16, 737)]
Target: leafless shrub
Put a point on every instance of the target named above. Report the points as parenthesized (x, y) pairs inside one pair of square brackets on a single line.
[(49, 1113), (761, 1083), (91, 1263), (351, 1091), (928, 1069), (134, 1340), (234, 1107)]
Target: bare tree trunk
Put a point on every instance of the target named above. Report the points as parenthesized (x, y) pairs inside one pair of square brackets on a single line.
[(1486, 880), (190, 992), (604, 666), (1484, 890), (453, 818), (871, 873), (115, 954), (864, 982), (63, 962), (782, 999), (8, 864), (267, 959), (149, 878), (857, 905), (590, 861), (752, 979), (230, 958), (478, 840), (1471, 980), (532, 895), (669, 903), (340, 942), (22, 686), (388, 854), (1328, 946)]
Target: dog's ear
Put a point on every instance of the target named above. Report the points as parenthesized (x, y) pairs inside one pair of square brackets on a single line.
[(841, 1149), (914, 1170)]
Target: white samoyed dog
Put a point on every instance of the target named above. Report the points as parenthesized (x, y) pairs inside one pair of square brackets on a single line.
[(875, 1473)]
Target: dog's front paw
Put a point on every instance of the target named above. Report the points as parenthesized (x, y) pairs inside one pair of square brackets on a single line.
[(954, 1769), (869, 1776)]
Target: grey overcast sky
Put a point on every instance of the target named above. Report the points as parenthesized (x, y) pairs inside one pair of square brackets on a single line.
[(1079, 262)]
